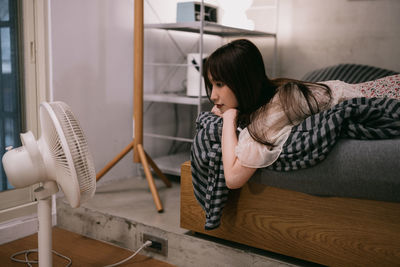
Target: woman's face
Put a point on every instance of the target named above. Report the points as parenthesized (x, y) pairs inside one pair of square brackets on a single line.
[(222, 96)]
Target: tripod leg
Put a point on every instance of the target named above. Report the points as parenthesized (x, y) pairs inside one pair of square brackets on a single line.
[(158, 171), (114, 161), (149, 177)]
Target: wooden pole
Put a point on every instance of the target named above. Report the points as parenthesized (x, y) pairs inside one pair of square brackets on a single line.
[(122, 154), (115, 161), (149, 178), (158, 171), (138, 77), (139, 154)]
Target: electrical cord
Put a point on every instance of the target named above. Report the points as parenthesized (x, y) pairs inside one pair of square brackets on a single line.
[(28, 262), (146, 244)]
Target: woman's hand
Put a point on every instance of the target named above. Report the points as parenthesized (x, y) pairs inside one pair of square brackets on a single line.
[(229, 114), (216, 111)]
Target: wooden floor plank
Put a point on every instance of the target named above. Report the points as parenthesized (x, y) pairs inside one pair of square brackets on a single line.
[(81, 250)]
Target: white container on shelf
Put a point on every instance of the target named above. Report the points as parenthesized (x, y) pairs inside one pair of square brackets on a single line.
[(193, 75)]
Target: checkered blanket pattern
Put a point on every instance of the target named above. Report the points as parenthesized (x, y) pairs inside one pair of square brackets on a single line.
[(308, 144)]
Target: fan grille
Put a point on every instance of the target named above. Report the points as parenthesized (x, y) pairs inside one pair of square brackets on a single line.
[(54, 143), (78, 147)]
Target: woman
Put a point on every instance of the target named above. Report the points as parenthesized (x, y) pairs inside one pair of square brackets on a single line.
[(266, 109)]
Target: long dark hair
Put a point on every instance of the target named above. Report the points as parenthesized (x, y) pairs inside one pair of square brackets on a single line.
[(239, 65)]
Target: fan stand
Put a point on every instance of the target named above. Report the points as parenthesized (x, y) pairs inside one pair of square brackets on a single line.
[(140, 155), (43, 194)]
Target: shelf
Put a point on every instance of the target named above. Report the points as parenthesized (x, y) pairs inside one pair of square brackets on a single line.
[(211, 28), (166, 64), (167, 137), (171, 164), (174, 98)]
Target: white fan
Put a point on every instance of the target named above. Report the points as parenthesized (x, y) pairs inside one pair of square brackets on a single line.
[(60, 156)]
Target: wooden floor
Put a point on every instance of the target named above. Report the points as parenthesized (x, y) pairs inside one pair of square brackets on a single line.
[(81, 250)]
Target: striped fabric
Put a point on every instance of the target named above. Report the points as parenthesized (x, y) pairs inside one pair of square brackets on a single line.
[(308, 144), (359, 118), (207, 170), (349, 73)]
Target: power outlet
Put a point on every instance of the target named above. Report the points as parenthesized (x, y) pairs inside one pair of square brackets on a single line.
[(159, 245)]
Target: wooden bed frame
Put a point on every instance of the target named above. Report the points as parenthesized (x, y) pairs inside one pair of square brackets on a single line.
[(326, 230)]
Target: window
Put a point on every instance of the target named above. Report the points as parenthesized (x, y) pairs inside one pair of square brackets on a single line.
[(24, 84), (10, 96)]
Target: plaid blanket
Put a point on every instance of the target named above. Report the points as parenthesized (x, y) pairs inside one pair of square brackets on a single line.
[(308, 144)]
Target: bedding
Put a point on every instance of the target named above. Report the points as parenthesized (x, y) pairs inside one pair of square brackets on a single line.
[(309, 143), (276, 122)]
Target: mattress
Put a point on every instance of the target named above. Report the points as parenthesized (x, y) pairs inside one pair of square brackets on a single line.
[(368, 169)]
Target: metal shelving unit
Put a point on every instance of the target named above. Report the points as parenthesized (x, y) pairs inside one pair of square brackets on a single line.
[(209, 28), (170, 164), (174, 98)]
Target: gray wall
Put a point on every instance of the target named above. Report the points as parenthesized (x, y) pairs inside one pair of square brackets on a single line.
[(92, 53), (318, 33)]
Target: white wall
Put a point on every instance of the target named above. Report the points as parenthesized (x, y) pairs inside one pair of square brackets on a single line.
[(92, 43), (92, 46)]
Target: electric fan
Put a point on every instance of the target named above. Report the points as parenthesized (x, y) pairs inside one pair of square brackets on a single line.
[(60, 156)]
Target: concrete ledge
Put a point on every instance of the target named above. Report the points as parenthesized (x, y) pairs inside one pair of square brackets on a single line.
[(183, 249)]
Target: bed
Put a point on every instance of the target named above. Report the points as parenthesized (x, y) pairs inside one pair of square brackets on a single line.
[(344, 211)]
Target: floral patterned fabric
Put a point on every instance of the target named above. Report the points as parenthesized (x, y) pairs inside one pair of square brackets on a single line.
[(385, 87)]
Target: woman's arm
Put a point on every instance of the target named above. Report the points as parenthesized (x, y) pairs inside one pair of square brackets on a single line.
[(236, 175)]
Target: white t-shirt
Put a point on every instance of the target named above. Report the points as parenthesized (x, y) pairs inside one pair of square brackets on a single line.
[(276, 125)]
